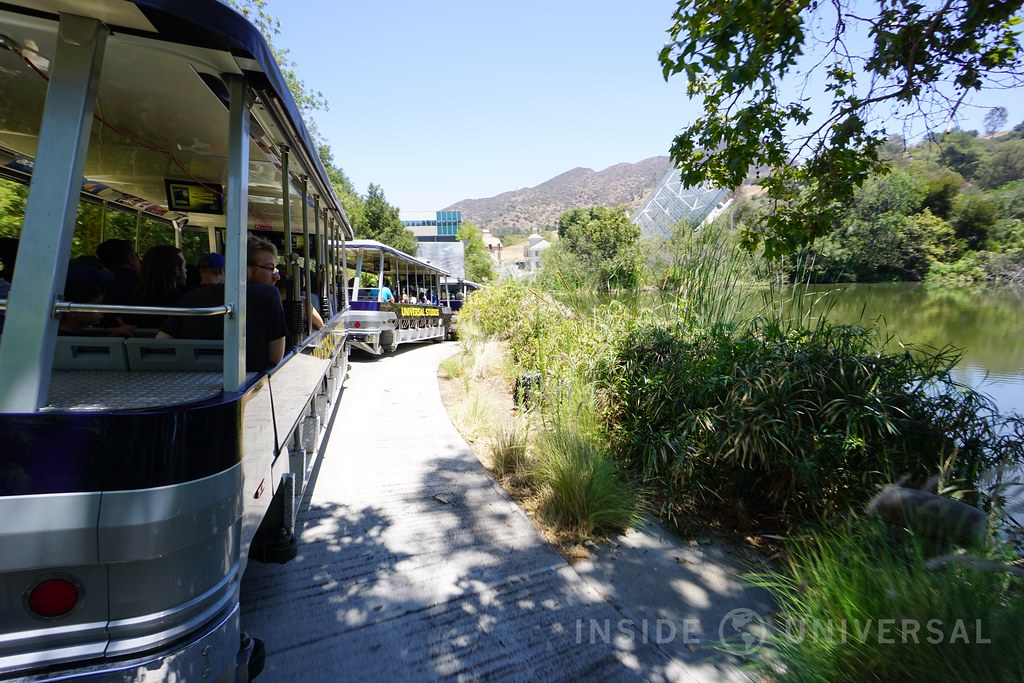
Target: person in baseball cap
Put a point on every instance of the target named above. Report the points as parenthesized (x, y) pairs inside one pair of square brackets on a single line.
[(211, 270)]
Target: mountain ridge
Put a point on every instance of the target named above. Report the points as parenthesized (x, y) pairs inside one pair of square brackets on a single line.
[(540, 206)]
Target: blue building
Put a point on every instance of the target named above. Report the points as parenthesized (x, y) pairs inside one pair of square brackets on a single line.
[(439, 226)]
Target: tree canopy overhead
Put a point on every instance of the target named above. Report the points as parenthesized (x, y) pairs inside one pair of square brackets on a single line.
[(756, 64)]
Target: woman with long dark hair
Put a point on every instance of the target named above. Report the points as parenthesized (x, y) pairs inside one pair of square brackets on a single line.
[(161, 283)]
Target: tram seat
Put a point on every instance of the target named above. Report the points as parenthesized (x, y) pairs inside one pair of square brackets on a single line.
[(176, 355), (90, 353)]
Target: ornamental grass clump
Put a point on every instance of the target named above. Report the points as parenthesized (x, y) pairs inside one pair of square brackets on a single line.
[(855, 605), (581, 485), (509, 452), (771, 425)]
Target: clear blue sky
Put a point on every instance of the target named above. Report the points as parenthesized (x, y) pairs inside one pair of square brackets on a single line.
[(454, 99)]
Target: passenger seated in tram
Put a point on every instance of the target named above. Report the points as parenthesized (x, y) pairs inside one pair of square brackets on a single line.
[(387, 296), (265, 327), (161, 283), (119, 257), (88, 269), (211, 270), (283, 286), (82, 324), (77, 323)]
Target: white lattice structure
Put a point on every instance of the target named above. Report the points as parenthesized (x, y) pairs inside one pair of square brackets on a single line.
[(670, 203)]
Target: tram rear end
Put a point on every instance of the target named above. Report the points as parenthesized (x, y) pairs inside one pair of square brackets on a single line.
[(138, 475)]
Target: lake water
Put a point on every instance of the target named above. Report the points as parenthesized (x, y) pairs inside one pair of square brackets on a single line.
[(987, 326)]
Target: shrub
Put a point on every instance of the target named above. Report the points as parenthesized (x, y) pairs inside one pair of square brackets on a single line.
[(791, 425), (511, 311)]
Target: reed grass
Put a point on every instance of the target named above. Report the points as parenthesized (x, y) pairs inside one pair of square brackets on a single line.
[(856, 606)]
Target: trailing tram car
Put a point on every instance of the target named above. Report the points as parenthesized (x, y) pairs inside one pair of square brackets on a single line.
[(393, 298), (138, 475), (454, 292)]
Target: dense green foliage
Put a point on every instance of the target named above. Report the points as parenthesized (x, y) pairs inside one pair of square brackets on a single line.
[(745, 60), (577, 478), (746, 410), (857, 607), (771, 421), (479, 265), (12, 207)]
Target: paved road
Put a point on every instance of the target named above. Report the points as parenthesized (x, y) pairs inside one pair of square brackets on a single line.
[(414, 566)]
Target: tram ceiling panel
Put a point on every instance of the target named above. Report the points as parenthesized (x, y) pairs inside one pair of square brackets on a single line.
[(160, 110)]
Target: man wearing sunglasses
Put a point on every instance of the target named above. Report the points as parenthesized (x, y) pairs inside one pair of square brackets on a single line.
[(265, 327)]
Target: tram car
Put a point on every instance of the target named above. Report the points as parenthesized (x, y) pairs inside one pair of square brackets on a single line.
[(454, 292), (393, 298), (139, 475)]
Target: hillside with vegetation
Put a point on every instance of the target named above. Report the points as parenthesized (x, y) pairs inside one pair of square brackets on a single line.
[(520, 211)]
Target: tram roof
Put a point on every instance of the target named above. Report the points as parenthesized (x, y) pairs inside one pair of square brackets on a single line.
[(161, 111), (418, 265)]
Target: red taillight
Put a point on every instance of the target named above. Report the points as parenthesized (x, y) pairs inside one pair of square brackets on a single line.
[(53, 598), (357, 323)]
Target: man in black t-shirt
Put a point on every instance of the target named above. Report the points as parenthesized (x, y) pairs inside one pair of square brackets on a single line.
[(265, 324)]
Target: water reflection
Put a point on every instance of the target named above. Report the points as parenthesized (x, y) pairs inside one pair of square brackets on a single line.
[(987, 326)]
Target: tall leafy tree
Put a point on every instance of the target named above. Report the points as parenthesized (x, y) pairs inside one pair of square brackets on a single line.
[(995, 119), (739, 56), (605, 244), (380, 222)]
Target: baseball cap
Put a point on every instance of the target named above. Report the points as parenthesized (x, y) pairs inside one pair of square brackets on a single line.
[(212, 261)]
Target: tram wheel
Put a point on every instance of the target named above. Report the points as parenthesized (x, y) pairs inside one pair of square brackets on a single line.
[(281, 549)]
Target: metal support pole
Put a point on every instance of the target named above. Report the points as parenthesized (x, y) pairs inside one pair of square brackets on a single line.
[(30, 332), (307, 269), (237, 221), (286, 207)]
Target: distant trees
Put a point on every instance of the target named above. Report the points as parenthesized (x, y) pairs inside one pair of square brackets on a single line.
[(924, 220), (995, 119)]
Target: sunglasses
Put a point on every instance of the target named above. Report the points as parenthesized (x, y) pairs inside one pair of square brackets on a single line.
[(266, 268)]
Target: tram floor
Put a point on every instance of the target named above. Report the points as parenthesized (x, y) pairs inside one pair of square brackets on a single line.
[(414, 565)]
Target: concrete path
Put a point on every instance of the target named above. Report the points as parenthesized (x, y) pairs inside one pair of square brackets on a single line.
[(415, 566)]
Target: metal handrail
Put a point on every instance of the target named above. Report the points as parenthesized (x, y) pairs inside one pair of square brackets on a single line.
[(69, 307)]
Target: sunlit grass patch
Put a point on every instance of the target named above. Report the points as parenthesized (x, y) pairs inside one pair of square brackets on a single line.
[(454, 366)]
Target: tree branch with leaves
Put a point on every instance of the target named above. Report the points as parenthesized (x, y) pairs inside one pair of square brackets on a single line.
[(756, 64)]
